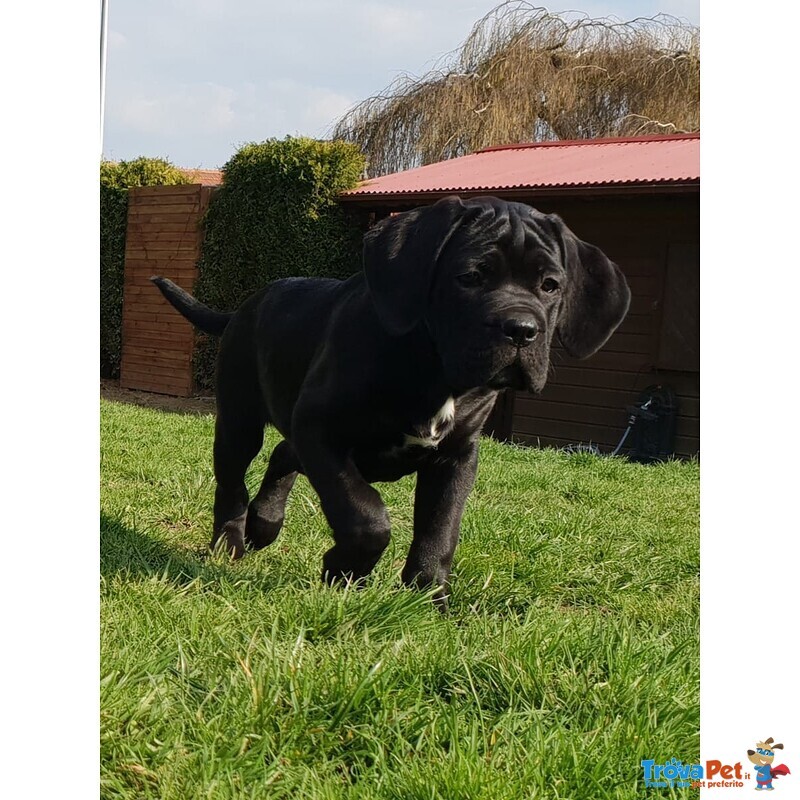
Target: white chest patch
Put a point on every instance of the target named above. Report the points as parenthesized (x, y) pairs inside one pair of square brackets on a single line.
[(435, 429)]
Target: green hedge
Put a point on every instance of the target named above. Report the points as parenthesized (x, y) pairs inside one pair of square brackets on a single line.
[(276, 216), (115, 180)]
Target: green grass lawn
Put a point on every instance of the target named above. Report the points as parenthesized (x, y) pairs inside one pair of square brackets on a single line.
[(570, 652)]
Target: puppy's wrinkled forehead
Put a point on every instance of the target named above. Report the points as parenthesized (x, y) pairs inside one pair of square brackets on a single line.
[(515, 229)]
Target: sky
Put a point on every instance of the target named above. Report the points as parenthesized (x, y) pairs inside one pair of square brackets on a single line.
[(193, 80)]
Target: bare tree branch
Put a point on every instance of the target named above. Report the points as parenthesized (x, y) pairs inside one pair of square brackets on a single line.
[(524, 74)]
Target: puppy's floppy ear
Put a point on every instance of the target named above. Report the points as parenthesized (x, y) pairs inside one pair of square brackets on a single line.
[(596, 298), (400, 253)]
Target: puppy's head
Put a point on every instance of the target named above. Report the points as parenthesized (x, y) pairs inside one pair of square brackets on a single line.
[(493, 281)]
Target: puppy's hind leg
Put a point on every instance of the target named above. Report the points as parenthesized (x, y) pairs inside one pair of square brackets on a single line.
[(237, 441), (266, 513)]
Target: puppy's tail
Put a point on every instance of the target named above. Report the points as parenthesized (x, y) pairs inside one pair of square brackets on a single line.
[(202, 317)]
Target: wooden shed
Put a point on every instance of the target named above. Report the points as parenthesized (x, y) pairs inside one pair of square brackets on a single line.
[(639, 200)]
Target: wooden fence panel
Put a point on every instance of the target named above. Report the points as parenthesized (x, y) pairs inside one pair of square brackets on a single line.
[(164, 238)]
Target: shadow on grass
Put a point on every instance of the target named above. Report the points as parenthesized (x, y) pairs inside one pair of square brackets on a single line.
[(124, 550), (133, 554)]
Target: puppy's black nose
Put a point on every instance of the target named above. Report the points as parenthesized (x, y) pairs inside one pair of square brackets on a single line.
[(519, 331)]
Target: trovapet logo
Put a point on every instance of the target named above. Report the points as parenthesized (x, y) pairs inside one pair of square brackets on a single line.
[(716, 774), (676, 774)]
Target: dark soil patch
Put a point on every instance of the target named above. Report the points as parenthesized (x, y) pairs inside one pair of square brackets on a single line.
[(199, 404)]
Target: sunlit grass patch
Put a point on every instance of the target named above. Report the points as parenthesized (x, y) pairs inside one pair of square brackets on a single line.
[(569, 655)]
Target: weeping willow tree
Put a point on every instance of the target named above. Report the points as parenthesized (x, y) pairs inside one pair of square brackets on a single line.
[(525, 74)]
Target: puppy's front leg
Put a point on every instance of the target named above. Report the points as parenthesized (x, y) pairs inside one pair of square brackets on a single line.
[(354, 510), (442, 491)]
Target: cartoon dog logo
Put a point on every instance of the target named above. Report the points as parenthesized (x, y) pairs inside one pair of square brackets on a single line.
[(762, 757)]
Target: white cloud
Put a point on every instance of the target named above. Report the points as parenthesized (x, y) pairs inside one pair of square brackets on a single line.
[(397, 23), (311, 109), (115, 40), (325, 108), (205, 107), (207, 9)]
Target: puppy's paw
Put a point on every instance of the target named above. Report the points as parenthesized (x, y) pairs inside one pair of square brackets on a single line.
[(260, 531), (229, 540), (343, 567)]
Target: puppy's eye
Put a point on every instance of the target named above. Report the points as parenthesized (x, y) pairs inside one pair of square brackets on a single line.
[(549, 285), (471, 278)]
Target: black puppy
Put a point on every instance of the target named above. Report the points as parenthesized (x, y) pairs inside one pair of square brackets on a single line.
[(395, 371)]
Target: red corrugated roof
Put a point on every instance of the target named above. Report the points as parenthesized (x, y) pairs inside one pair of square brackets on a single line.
[(208, 177), (584, 163)]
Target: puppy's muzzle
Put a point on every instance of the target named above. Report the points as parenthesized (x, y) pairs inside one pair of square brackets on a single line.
[(520, 331)]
